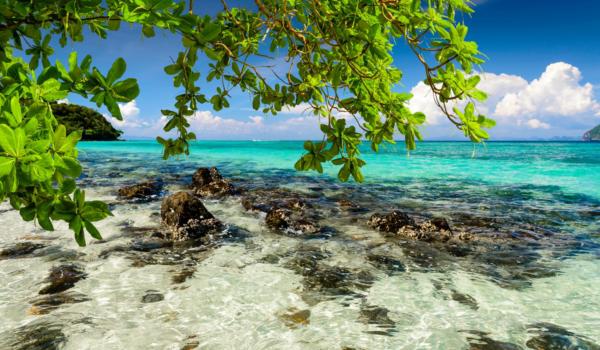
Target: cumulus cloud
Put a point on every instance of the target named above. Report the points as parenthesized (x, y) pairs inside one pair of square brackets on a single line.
[(537, 124), (558, 91), (131, 117), (557, 96)]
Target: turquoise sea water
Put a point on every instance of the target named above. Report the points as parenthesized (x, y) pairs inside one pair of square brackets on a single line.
[(527, 280), (570, 167)]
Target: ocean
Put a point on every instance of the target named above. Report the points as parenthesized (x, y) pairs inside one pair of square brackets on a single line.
[(529, 279)]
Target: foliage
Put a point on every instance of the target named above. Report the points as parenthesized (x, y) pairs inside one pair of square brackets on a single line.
[(93, 125), (340, 63)]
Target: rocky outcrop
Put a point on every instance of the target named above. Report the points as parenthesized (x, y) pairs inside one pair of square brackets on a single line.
[(185, 217), (290, 222), (143, 191), (208, 182), (390, 223), (399, 224)]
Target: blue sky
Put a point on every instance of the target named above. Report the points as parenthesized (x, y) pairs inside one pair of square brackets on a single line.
[(542, 76)]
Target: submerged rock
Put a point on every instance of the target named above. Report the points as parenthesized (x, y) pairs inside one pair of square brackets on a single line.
[(481, 341), (63, 277), (294, 318), (48, 303), (386, 263), (34, 336), (20, 250), (390, 223), (464, 299), (378, 316), (185, 217), (548, 336), (209, 183), (152, 296), (144, 191), (289, 222)]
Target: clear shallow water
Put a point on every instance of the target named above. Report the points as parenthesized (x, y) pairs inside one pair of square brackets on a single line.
[(545, 196)]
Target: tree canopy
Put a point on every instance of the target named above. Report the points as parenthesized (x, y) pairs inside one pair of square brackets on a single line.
[(93, 125), (339, 56)]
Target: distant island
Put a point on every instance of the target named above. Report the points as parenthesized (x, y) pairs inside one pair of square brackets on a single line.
[(592, 135), (93, 124)]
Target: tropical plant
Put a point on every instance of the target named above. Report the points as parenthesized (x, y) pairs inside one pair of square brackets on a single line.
[(339, 56)]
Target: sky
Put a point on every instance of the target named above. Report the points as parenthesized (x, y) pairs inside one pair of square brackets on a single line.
[(541, 75)]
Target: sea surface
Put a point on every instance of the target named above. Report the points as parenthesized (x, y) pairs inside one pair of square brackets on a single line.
[(529, 279)]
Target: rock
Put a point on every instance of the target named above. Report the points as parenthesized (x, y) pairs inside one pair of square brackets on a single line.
[(149, 244), (440, 223), (144, 191), (63, 277), (152, 296), (183, 274), (481, 341), (548, 336), (20, 250), (37, 335), (390, 223), (464, 299), (45, 304), (209, 183), (185, 217), (377, 316), (294, 318), (289, 222), (386, 263)]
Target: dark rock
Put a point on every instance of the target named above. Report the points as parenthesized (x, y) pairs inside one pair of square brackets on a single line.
[(63, 277), (186, 217), (481, 341), (377, 316), (144, 191), (464, 299), (440, 223), (209, 183), (48, 303), (20, 250), (267, 199), (34, 336), (331, 278), (149, 244), (289, 222), (548, 336), (386, 263), (390, 223), (152, 296)]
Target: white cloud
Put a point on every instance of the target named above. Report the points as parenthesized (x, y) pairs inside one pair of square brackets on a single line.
[(129, 109), (63, 101), (556, 92), (537, 124), (517, 103), (131, 120)]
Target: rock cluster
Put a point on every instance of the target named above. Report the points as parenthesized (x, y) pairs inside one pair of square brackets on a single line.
[(399, 224)]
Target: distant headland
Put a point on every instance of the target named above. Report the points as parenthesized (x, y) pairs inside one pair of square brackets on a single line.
[(93, 125), (592, 135)]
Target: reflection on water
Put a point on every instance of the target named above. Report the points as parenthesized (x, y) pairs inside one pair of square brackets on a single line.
[(528, 280)]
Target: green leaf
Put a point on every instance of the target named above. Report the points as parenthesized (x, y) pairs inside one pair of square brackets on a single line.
[(92, 230), (6, 166), (116, 71), (211, 31)]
